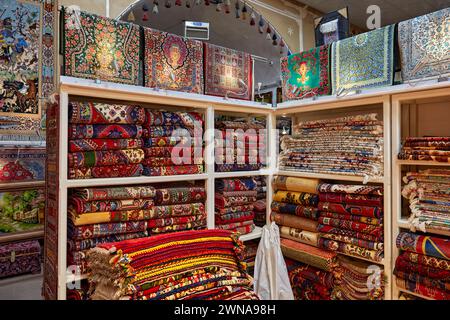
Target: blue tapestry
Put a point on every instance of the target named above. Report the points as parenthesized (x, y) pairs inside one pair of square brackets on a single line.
[(364, 61)]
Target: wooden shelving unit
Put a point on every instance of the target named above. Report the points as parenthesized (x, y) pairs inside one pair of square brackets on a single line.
[(423, 111)]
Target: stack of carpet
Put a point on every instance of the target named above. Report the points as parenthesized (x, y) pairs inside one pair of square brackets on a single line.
[(294, 208), (259, 208), (351, 220), (204, 264), (358, 280), (105, 140), (426, 149), (239, 146), (351, 145), (178, 206), (308, 282), (174, 143), (250, 250), (99, 215), (428, 192), (234, 204), (423, 266)]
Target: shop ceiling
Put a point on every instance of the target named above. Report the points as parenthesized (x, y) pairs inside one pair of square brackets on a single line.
[(392, 11)]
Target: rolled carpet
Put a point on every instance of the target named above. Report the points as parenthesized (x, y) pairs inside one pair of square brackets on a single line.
[(296, 184), (294, 221), (430, 246)]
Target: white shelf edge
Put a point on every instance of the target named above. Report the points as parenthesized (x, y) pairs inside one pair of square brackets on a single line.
[(204, 100), (414, 294), (262, 172), (78, 183), (421, 163), (255, 234), (366, 93), (329, 176)]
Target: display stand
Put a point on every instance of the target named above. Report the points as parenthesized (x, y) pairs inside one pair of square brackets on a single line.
[(420, 113), (56, 276)]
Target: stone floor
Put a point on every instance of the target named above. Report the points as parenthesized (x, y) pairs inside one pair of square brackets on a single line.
[(24, 287)]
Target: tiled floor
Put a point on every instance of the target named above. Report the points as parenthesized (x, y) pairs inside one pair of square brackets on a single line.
[(26, 287)]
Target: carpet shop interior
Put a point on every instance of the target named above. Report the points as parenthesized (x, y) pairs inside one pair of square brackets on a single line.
[(224, 150)]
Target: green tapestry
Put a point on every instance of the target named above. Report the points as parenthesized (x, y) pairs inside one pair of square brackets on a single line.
[(306, 74), (364, 61)]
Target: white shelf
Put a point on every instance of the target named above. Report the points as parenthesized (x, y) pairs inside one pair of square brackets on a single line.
[(328, 176), (255, 234), (403, 223), (78, 183), (262, 172), (421, 163), (109, 90)]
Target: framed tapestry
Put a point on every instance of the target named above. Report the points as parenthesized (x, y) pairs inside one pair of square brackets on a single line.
[(306, 74), (363, 61), (228, 72), (27, 65), (172, 62), (331, 27), (96, 47), (22, 164), (424, 44)]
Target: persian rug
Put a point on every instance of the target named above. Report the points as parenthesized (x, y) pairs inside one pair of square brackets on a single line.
[(177, 119), (238, 184), (321, 259), (86, 244), (172, 62), (225, 70), (27, 66), (169, 151), (350, 249), (196, 225), (357, 199), (89, 218), (349, 217), (372, 245), (178, 195), (102, 113), (116, 193), (100, 48), (310, 273), (173, 170), (22, 164), (185, 209), (419, 288), (303, 236), (301, 211), (20, 257), (115, 171), (163, 222), (351, 189), (306, 74), (404, 265), (234, 225), (425, 281), (376, 231), (426, 260), (105, 158), (426, 245), (238, 167), (105, 229), (324, 229), (82, 145), (234, 217), (363, 61), (292, 221), (108, 131), (351, 209), (234, 209), (174, 140), (226, 202), (296, 184), (423, 43), (298, 198)]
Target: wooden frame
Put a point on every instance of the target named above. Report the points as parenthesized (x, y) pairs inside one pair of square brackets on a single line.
[(399, 223)]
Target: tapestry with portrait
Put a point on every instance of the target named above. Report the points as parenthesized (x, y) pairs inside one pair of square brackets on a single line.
[(172, 62)]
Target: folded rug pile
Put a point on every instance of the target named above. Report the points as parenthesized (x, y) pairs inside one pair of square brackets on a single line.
[(428, 192), (204, 264), (423, 266), (234, 204), (105, 140), (174, 143), (259, 208), (426, 149), (351, 145), (351, 220)]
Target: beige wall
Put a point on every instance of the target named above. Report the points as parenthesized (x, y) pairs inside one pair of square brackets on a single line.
[(286, 24)]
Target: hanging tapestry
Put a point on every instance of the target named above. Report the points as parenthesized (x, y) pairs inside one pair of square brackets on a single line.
[(172, 63), (331, 27), (228, 72), (27, 61), (424, 44), (100, 48), (364, 61), (306, 74), (21, 210), (19, 164)]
